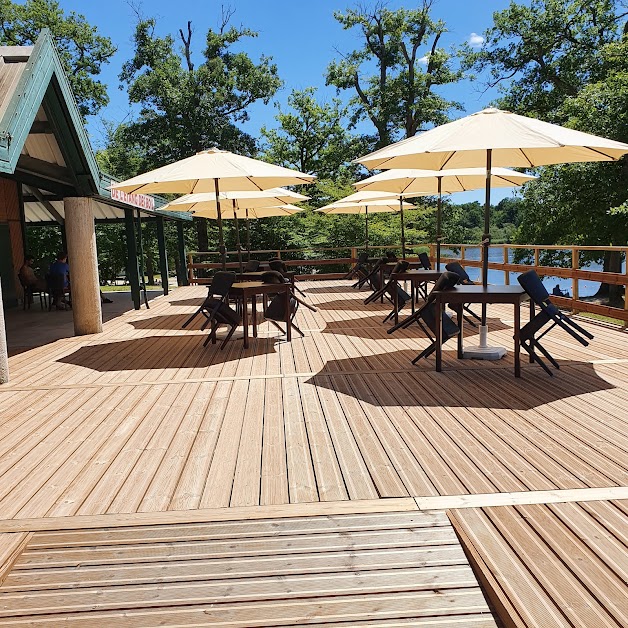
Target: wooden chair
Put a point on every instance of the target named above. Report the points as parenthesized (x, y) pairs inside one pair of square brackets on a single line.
[(30, 293)]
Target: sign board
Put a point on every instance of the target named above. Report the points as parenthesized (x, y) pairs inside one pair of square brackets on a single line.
[(137, 200)]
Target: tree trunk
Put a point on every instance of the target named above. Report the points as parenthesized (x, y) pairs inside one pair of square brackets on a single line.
[(150, 268), (613, 293), (201, 234)]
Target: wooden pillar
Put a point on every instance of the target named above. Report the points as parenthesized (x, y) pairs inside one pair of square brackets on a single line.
[(182, 265), (83, 261), (132, 270), (4, 351), (575, 265), (163, 255)]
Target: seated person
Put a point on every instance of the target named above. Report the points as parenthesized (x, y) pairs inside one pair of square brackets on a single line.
[(557, 292), (60, 267), (28, 277)]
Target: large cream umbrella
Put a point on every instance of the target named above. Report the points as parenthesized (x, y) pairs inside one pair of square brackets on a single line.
[(370, 202), (409, 183), (493, 138), (213, 170)]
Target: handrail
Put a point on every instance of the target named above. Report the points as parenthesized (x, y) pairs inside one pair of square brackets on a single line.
[(572, 271)]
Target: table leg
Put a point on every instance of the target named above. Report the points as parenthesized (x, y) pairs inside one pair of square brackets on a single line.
[(288, 325), (517, 339), (532, 314), (245, 321), (254, 314), (381, 282), (460, 318), (413, 293), (439, 334), (396, 302)]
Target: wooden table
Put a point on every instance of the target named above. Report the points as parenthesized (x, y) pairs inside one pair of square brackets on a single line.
[(250, 289), (416, 277), (478, 294)]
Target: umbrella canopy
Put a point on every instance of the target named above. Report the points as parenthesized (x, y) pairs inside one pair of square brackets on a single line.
[(213, 170), (196, 174), (240, 213), (410, 183), (368, 202), (515, 141), (244, 199)]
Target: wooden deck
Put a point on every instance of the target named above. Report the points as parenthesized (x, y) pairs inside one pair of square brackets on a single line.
[(142, 419)]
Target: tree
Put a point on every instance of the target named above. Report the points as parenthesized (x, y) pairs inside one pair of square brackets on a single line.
[(316, 138), (82, 49), (543, 52), (186, 107), (404, 45)]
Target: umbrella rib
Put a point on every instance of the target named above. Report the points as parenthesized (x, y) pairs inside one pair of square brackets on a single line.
[(600, 152), (527, 158), (447, 160)]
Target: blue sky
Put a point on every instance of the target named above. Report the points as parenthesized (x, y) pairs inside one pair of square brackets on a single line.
[(302, 37)]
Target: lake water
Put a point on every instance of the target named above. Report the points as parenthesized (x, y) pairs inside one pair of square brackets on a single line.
[(585, 288)]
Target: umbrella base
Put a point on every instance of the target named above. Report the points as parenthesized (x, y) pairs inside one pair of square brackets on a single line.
[(483, 351)]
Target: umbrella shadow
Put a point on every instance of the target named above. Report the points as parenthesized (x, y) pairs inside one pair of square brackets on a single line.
[(189, 302), (374, 327), (171, 352), (382, 381), (329, 289), (169, 321)]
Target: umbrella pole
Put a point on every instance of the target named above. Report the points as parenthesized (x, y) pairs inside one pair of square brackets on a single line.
[(438, 221), (237, 230), (248, 237), (221, 238), (403, 229), (366, 228)]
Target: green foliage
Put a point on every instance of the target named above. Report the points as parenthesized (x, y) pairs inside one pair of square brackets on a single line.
[(543, 51), (400, 97), (81, 48), (185, 108)]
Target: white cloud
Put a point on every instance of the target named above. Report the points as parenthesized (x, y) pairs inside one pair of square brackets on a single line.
[(423, 60), (475, 40)]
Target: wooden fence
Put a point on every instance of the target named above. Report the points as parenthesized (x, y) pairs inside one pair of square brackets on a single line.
[(573, 271)]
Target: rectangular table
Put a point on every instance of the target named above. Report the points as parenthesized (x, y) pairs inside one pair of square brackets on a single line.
[(416, 277), (481, 295), (246, 290), (257, 275)]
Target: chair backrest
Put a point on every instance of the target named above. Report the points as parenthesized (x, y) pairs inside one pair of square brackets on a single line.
[(425, 261), (446, 281), (455, 267), (363, 257), (391, 257), (55, 283), (273, 276), (533, 285), (221, 283), (252, 266), (277, 265)]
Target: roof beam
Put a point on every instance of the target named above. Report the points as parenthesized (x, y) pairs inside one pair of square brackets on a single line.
[(45, 169), (50, 208), (41, 127)]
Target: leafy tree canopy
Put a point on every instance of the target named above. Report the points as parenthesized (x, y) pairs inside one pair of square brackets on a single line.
[(400, 98), (83, 50)]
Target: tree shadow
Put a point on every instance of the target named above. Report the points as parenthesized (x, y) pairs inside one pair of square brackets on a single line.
[(169, 321), (171, 352), (391, 380), (374, 327)]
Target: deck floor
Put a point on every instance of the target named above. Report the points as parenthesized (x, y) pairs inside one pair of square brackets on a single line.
[(142, 419)]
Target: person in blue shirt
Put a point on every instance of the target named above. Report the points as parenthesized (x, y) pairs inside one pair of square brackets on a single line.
[(61, 267)]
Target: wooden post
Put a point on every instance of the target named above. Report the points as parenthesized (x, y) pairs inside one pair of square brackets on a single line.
[(182, 275), (575, 265), (536, 257), (626, 287), (190, 269), (83, 261), (132, 269), (4, 351), (354, 254), (506, 272), (163, 255)]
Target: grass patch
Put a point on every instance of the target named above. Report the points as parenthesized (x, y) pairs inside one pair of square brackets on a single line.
[(126, 288), (601, 317)]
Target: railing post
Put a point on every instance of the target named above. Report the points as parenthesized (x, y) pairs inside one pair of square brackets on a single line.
[(536, 257), (626, 287), (575, 265), (463, 250), (506, 272), (354, 254), (279, 254), (190, 269)]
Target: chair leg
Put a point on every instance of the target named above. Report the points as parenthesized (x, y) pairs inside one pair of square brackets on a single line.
[(228, 337), (191, 318), (297, 329), (425, 353), (535, 358)]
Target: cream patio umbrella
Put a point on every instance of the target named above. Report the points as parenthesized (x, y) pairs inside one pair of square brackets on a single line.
[(365, 202), (204, 205), (493, 137), (213, 170), (410, 183)]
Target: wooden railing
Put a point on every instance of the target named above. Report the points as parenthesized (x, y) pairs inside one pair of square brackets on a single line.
[(573, 271)]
